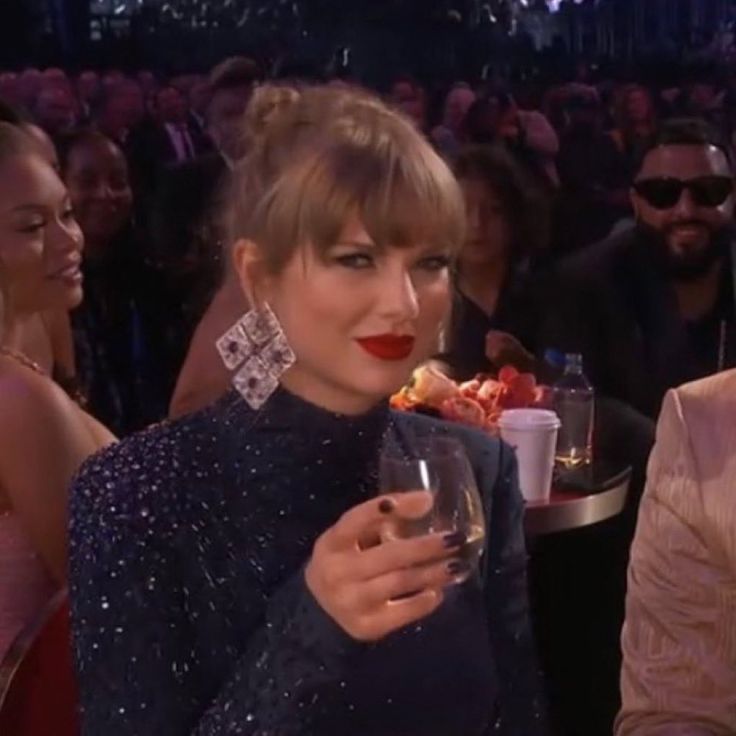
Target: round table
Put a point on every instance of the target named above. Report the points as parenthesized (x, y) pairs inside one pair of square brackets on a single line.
[(573, 507)]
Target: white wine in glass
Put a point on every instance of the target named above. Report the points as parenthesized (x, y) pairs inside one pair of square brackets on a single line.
[(437, 464)]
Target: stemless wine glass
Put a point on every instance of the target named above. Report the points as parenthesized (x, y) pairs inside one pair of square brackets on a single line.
[(439, 465)]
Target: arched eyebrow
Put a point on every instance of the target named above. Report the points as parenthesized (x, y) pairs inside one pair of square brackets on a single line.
[(40, 209), (357, 243), (32, 208)]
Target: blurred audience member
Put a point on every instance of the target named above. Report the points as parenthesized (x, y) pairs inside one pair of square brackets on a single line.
[(55, 75), (115, 326), (494, 312), (111, 117), (652, 307), (594, 180), (55, 110), (10, 89), (448, 136), (148, 82), (169, 140), (29, 85), (88, 90), (133, 101), (112, 78), (496, 118), (636, 125), (679, 673), (199, 100), (231, 85), (119, 109), (410, 97), (44, 435)]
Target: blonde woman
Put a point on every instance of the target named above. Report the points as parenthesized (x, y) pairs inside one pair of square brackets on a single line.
[(44, 435), (226, 573)]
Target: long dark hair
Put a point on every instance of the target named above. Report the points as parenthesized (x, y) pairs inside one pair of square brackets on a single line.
[(524, 206)]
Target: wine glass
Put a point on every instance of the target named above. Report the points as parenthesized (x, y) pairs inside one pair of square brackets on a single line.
[(438, 465)]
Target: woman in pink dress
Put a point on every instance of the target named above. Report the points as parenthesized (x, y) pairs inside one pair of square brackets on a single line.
[(44, 435)]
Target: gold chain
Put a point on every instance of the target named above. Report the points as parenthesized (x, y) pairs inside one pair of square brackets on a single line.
[(23, 360)]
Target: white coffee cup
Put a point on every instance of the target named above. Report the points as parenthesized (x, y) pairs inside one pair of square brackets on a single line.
[(533, 435)]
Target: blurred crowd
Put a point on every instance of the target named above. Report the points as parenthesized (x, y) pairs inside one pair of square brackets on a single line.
[(562, 188)]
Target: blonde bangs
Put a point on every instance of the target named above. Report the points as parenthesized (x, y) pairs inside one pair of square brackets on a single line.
[(399, 188), (330, 156)]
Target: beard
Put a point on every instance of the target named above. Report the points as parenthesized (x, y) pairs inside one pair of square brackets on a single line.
[(687, 267)]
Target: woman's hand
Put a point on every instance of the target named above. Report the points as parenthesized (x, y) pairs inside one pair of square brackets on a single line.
[(371, 588), (504, 349)]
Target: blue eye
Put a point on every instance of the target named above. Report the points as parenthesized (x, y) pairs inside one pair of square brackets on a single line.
[(357, 261), (435, 263)]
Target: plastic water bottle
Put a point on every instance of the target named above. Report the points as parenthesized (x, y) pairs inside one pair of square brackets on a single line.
[(574, 402)]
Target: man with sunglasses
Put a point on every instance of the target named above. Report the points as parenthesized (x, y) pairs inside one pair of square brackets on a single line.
[(649, 308), (652, 307)]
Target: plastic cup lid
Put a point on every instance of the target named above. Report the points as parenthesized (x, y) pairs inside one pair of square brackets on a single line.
[(529, 419)]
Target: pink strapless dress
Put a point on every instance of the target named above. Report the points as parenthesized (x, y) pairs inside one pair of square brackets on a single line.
[(25, 586)]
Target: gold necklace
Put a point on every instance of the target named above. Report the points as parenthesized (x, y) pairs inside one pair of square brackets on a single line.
[(70, 386), (24, 360)]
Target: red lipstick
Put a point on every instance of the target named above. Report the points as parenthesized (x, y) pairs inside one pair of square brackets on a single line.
[(388, 347)]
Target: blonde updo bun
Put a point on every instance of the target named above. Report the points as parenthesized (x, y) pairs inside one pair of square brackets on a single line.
[(320, 156)]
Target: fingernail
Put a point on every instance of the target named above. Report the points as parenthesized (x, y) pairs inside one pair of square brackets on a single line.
[(386, 506), (455, 539), (457, 567)]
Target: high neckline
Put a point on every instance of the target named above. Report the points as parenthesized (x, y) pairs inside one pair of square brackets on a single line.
[(285, 412), (359, 436), (336, 455), (286, 406)]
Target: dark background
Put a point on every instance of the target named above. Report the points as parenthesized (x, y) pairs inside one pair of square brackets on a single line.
[(430, 38)]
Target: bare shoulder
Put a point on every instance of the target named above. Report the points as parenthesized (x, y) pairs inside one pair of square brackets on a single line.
[(30, 400)]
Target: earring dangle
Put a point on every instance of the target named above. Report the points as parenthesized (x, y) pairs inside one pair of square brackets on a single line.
[(257, 348)]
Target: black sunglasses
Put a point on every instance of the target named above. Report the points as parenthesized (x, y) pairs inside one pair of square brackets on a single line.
[(664, 193)]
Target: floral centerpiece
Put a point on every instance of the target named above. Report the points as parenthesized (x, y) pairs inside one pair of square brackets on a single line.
[(477, 403)]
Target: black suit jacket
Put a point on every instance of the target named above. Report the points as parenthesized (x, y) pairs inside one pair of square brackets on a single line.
[(615, 305), (151, 150)]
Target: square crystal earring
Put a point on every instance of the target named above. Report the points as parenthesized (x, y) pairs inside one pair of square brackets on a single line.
[(234, 346), (257, 344), (255, 382)]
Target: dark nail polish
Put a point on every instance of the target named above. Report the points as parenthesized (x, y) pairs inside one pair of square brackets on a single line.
[(455, 539), (457, 567), (386, 506)]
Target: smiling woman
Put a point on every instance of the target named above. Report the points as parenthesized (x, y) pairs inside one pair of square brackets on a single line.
[(116, 327), (230, 562), (44, 436)]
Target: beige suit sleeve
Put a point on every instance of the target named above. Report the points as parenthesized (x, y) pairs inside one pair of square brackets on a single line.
[(679, 675)]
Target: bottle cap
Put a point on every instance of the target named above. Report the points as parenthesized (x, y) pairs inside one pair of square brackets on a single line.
[(555, 358)]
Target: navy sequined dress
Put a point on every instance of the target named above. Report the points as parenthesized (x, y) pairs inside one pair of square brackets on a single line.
[(190, 611)]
